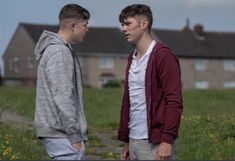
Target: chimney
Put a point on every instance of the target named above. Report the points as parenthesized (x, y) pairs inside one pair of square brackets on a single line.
[(198, 29), (199, 32), (187, 22), (187, 27)]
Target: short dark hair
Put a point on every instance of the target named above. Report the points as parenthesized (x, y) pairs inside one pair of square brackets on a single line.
[(137, 10), (74, 11)]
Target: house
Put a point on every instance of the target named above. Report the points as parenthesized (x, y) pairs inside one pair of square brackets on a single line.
[(102, 55), (207, 59), (20, 66)]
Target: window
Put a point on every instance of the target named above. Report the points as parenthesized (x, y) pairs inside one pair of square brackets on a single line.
[(105, 78), (30, 62), (229, 84), (229, 65), (106, 63), (200, 64), (16, 65), (201, 85), (10, 64)]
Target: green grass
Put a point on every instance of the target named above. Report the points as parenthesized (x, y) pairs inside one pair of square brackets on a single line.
[(207, 129), (20, 99), (102, 107), (207, 137), (206, 102), (19, 144)]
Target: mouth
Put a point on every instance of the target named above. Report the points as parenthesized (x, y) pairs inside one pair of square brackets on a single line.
[(127, 36)]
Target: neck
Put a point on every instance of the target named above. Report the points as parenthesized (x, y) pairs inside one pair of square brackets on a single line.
[(143, 44), (65, 36)]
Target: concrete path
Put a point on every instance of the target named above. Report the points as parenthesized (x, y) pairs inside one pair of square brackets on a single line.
[(110, 149), (10, 116)]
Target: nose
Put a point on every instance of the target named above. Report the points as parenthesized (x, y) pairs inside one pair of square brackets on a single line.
[(123, 29)]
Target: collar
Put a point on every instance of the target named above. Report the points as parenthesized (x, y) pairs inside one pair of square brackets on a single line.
[(149, 50)]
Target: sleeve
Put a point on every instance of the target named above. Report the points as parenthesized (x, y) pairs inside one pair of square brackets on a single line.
[(60, 73), (170, 75)]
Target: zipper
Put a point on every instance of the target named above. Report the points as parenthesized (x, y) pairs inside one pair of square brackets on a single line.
[(150, 98)]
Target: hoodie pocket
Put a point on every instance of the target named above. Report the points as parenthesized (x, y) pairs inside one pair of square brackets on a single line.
[(158, 113)]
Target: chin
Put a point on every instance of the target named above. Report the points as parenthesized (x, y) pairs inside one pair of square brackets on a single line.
[(130, 41), (78, 41)]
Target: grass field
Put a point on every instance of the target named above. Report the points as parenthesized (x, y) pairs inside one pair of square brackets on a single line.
[(19, 144), (207, 126)]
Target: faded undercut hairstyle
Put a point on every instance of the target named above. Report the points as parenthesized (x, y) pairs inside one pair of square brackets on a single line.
[(137, 10), (73, 11)]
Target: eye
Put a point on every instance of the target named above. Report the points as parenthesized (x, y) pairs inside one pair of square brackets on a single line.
[(127, 23)]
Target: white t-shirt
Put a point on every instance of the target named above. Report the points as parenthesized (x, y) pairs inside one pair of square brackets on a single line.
[(138, 116)]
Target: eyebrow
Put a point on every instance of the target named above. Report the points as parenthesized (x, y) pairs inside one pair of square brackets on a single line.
[(126, 22)]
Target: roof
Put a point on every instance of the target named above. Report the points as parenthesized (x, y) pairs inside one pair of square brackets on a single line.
[(98, 40), (35, 30), (189, 44), (104, 40), (185, 44)]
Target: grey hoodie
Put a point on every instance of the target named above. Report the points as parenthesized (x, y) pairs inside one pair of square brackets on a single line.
[(59, 98)]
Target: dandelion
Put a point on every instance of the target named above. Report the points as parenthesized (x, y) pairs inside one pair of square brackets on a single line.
[(230, 140), (213, 137), (209, 119), (198, 117), (33, 157), (184, 118), (7, 151), (14, 156), (8, 136), (110, 154)]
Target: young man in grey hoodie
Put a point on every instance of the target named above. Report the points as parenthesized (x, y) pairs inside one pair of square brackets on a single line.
[(59, 117)]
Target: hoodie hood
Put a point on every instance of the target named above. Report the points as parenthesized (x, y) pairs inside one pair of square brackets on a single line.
[(46, 39)]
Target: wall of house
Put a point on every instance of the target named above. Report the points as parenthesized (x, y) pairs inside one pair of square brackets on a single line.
[(187, 74), (196, 73), (92, 70), (213, 73), (20, 50)]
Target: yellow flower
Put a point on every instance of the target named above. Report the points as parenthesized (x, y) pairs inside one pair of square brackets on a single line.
[(7, 151), (213, 137), (230, 140), (14, 157), (110, 154)]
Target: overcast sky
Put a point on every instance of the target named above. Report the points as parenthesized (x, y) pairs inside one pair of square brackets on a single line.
[(215, 15)]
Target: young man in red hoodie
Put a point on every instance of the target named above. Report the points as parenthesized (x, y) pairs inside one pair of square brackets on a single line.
[(152, 102)]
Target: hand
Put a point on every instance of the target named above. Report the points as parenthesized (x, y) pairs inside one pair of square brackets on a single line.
[(77, 146), (125, 153), (164, 151)]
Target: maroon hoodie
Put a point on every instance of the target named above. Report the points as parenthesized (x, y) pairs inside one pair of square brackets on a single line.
[(163, 97)]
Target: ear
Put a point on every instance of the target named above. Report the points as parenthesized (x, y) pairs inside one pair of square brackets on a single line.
[(144, 24), (72, 25)]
